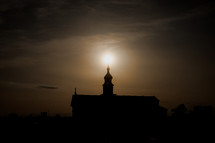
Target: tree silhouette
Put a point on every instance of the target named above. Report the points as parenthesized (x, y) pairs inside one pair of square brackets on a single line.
[(179, 111)]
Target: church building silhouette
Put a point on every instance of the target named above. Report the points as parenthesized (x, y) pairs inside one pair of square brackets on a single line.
[(112, 108)]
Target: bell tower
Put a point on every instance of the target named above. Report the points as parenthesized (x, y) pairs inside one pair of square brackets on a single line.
[(108, 86)]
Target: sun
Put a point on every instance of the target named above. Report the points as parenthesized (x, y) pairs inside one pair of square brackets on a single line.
[(108, 59)]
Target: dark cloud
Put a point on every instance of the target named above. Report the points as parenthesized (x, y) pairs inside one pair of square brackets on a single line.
[(42, 20), (47, 87)]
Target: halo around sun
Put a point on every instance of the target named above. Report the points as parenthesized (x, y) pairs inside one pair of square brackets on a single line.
[(108, 59)]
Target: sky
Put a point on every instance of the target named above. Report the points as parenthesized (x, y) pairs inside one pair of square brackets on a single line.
[(162, 48)]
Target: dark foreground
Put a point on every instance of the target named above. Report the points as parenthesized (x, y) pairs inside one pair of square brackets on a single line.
[(174, 129)]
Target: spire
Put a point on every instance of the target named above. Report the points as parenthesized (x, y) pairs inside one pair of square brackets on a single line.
[(108, 68), (75, 92), (108, 86)]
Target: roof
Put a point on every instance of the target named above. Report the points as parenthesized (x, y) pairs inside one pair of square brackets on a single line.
[(119, 99)]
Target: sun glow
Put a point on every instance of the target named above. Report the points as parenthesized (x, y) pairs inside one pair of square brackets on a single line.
[(108, 59)]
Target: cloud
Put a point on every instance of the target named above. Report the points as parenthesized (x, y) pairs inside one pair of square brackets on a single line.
[(47, 87), (24, 85), (37, 21)]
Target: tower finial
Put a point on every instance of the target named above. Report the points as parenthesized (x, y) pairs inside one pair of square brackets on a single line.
[(108, 68)]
